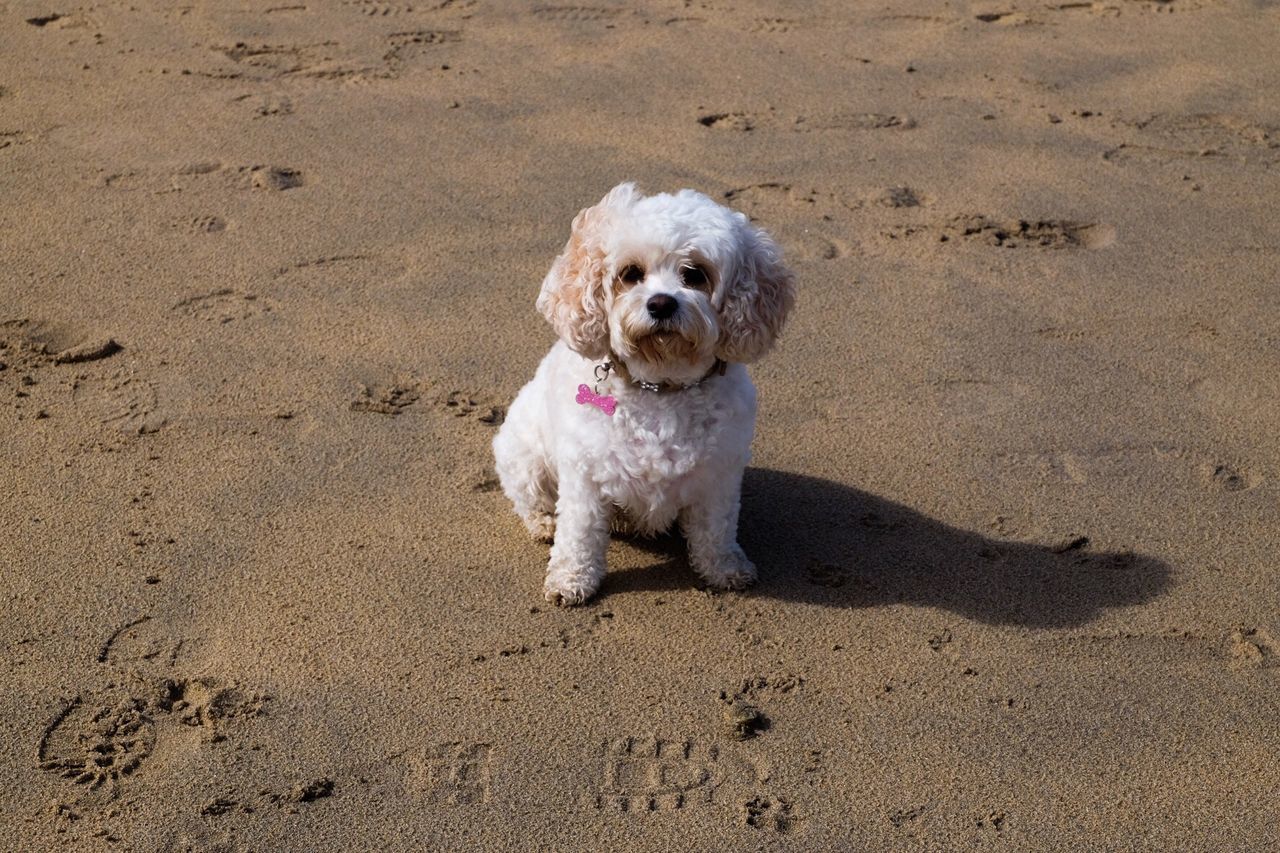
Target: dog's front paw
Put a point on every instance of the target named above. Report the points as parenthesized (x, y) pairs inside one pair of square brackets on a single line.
[(730, 570), (568, 584)]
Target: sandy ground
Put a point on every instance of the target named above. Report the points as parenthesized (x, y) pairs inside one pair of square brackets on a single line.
[(1014, 494)]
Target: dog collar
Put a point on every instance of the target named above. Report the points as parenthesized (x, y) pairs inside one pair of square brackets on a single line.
[(587, 396), (617, 366)]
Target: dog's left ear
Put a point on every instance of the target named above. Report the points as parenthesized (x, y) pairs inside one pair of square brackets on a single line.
[(757, 298)]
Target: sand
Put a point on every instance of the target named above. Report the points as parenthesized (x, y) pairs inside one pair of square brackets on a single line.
[(267, 273)]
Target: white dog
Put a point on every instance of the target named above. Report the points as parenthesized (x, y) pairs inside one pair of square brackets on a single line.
[(644, 405)]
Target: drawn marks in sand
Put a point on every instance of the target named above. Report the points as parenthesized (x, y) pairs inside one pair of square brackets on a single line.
[(645, 774), (632, 776), (456, 774)]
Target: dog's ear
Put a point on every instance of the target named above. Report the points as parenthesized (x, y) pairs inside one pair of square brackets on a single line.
[(573, 297), (756, 297)]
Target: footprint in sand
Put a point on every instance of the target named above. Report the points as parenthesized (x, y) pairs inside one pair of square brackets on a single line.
[(1205, 137), (1223, 476), (263, 62), (855, 121), (742, 121), (96, 742), (103, 736), (899, 197), (39, 343), (140, 643), (276, 178), (1084, 465), (773, 25), (11, 139), (770, 813), (206, 224), (485, 482), (774, 201), (579, 14), (981, 230), (735, 121), (409, 46), (267, 106), (390, 398), (813, 246), (121, 399), (1006, 19), (225, 306), (62, 21), (373, 9), (204, 175), (393, 396), (1254, 648), (830, 575), (39, 354), (462, 404), (771, 195)]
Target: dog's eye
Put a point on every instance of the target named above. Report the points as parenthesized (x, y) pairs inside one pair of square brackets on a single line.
[(694, 276), (632, 273)]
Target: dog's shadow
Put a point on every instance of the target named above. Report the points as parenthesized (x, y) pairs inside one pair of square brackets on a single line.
[(824, 543)]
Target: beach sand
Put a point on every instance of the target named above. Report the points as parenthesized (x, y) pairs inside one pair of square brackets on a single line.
[(267, 274)]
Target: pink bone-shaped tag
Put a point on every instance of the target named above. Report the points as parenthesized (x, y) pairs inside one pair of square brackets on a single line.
[(603, 402)]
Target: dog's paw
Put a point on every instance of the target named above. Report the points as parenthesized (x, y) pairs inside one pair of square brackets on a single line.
[(541, 526), (728, 571), (569, 585)]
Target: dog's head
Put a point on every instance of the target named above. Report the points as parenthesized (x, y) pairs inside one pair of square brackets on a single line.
[(668, 284)]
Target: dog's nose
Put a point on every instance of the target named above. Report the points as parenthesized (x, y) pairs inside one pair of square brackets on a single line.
[(661, 306)]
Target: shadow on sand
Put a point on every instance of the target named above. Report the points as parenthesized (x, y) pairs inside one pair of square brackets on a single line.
[(824, 543)]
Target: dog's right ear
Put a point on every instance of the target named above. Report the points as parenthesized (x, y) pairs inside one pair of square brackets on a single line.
[(573, 294)]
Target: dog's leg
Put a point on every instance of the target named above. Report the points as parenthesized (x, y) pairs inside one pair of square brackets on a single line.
[(711, 527), (577, 565), (526, 480)]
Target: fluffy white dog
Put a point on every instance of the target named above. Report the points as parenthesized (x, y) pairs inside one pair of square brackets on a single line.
[(644, 407)]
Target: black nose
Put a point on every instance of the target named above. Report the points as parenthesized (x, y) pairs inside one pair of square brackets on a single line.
[(661, 306)]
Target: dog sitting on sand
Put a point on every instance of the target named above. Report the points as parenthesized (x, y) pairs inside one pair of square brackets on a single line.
[(643, 409)]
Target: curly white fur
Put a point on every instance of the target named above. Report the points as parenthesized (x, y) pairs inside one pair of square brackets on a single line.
[(678, 455)]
